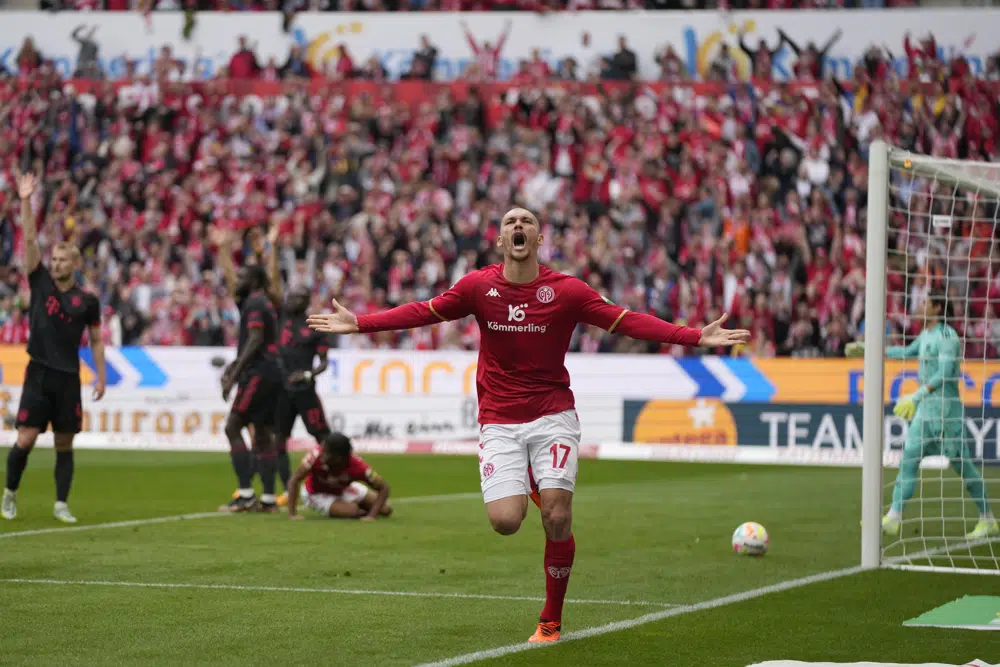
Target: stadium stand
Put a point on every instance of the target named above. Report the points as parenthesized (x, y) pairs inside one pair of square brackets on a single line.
[(670, 196)]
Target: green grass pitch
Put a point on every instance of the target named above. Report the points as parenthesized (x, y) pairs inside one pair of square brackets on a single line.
[(651, 535)]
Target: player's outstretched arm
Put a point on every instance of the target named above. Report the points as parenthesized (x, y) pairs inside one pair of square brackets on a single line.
[(612, 318), (26, 184), (293, 488), (911, 351), (274, 265), (453, 304)]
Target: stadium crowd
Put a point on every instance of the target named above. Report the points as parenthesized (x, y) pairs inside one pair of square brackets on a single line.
[(458, 5), (678, 200)]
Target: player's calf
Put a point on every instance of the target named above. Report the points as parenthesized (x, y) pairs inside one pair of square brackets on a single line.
[(17, 461)]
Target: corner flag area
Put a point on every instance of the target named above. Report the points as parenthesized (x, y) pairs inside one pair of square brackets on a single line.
[(153, 576)]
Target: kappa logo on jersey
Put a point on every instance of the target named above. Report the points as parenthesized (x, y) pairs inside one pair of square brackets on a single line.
[(493, 292), (545, 294), (516, 313)]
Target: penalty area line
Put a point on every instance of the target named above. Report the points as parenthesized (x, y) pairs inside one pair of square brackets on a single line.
[(616, 626), (328, 591), (408, 500)]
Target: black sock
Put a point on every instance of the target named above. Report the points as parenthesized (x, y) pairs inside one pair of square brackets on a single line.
[(242, 466), (266, 464), (64, 474), (17, 459), (284, 467)]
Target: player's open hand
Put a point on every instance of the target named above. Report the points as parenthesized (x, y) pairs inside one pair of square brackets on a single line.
[(714, 335), (26, 184), (340, 321), (99, 388), (854, 350), (228, 382), (367, 517)]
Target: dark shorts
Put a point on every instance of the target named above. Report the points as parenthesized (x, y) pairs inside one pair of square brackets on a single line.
[(50, 397), (256, 400), (302, 403)]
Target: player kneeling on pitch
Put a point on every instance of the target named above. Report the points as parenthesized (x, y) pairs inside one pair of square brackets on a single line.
[(334, 482)]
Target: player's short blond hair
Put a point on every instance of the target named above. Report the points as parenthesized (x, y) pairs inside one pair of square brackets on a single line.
[(66, 246)]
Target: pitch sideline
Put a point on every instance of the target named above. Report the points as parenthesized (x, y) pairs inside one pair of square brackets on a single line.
[(598, 630), (328, 591), (409, 500)]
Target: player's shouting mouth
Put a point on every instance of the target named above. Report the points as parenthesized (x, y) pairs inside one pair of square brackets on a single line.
[(530, 430)]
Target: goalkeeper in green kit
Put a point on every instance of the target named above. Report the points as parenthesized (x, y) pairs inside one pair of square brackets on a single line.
[(936, 414)]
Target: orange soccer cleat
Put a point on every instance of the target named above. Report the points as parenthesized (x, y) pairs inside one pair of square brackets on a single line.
[(547, 631)]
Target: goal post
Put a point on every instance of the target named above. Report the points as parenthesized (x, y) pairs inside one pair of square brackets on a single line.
[(932, 236)]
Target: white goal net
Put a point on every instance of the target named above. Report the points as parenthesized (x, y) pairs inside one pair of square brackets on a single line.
[(932, 336)]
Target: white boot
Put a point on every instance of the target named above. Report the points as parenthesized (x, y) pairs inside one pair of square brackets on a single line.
[(8, 506), (62, 513)]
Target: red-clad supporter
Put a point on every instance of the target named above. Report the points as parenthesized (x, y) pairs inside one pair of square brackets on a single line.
[(668, 199)]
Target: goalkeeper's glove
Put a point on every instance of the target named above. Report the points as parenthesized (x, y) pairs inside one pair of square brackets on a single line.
[(906, 407), (854, 350)]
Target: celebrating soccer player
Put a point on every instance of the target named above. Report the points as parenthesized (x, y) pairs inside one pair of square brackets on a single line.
[(257, 371), (936, 414), (527, 313), (338, 484), (60, 311)]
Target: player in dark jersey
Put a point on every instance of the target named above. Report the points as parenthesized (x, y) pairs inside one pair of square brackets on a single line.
[(299, 346), (60, 312), (257, 372), (527, 314)]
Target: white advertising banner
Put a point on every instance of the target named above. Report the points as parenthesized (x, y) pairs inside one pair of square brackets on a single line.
[(392, 38), (200, 416)]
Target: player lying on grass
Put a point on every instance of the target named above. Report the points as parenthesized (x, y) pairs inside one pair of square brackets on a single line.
[(334, 482), (936, 414), (526, 315), (60, 312)]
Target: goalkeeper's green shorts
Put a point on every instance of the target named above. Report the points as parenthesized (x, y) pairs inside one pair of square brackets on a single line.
[(936, 433)]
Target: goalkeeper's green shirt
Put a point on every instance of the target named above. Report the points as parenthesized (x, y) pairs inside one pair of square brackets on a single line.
[(939, 351)]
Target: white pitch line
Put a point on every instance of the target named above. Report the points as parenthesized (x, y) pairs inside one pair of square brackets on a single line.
[(114, 524), (328, 591), (648, 618), (409, 500)]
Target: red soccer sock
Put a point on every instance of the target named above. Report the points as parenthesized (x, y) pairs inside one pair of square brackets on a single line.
[(558, 564)]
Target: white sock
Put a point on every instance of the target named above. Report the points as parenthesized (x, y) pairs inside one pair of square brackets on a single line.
[(895, 515), (246, 493), (8, 493), (986, 516), (61, 505), (267, 498)]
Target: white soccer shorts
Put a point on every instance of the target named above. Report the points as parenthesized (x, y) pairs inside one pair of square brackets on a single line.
[(355, 492), (550, 444)]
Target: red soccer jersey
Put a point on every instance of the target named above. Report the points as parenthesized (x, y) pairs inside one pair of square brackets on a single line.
[(525, 332), (322, 479)]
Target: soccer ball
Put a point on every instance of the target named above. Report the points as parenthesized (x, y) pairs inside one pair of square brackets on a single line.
[(750, 539)]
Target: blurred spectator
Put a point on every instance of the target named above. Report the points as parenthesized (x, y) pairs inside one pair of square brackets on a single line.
[(87, 64), (424, 60), (243, 64)]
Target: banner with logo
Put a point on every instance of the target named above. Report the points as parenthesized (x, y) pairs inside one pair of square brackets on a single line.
[(801, 427), (614, 376), (393, 38)]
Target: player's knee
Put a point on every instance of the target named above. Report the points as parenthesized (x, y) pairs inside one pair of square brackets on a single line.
[(506, 524), (557, 518), (63, 442), (234, 431), (26, 438)]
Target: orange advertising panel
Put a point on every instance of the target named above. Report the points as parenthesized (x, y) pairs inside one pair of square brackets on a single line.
[(14, 360), (839, 381)]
